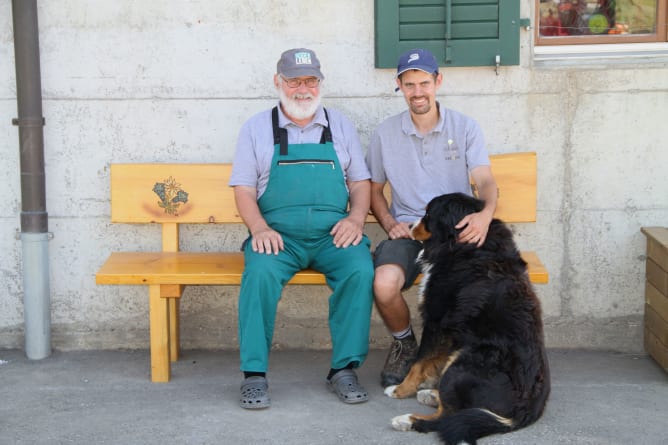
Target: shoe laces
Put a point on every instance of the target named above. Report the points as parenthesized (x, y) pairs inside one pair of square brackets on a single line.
[(395, 352)]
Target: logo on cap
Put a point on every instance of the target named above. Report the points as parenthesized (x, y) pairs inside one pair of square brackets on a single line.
[(413, 57), (303, 58)]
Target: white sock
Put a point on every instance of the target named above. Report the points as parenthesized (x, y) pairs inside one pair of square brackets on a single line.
[(403, 334)]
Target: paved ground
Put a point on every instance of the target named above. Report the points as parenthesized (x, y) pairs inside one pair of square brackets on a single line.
[(105, 397)]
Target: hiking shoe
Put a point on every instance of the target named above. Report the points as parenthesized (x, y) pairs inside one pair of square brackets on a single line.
[(401, 357)]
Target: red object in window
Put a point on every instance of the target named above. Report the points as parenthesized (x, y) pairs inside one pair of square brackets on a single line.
[(568, 18), (550, 25)]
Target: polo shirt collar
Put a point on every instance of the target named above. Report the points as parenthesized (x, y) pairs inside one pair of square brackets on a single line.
[(408, 126)]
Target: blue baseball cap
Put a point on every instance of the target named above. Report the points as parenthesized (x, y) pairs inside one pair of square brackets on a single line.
[(417, 59)]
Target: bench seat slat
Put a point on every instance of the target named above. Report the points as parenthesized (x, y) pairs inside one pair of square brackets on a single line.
[(182, 268), (221, 268)]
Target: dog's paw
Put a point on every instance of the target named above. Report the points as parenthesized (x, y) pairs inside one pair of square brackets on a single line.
[(402, 423), (428, 397), (389, 391)]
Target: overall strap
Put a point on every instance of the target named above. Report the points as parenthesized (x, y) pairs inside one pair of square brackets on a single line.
[(326, 132), (281, 134)]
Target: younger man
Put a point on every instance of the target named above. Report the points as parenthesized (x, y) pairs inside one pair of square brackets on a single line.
[(423, 152)]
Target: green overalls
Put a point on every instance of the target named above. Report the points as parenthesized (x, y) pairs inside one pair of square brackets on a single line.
[(305, 197)]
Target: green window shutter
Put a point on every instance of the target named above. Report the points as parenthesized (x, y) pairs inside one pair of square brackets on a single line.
[(457, 32)]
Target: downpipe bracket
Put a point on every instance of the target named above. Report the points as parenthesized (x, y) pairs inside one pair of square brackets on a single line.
[(17, 235), (28, 122)]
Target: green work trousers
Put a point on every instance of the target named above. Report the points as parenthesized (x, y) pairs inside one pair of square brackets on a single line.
[(349, 273)]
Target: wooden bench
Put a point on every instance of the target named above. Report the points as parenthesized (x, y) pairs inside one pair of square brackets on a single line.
[(173, 194)]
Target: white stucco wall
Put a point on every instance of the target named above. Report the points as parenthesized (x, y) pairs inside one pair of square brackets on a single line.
[(168, 80)]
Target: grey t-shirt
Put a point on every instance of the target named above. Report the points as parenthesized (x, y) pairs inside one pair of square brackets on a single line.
[(255, 146), (420, 168)]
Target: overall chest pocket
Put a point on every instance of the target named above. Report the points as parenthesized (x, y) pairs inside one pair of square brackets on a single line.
[(324, 162)]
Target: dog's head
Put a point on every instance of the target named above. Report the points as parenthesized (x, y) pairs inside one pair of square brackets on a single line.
[(442, 215)]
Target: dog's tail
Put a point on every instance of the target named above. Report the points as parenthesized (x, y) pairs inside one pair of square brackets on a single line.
[(465, 426)]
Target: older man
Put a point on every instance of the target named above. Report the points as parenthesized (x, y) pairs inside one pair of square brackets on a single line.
[(302, 188)]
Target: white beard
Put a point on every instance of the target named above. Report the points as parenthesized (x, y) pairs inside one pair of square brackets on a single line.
[(297, 110)]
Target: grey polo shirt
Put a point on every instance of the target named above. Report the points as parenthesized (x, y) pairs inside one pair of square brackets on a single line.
[(420, 168), (255, 146)]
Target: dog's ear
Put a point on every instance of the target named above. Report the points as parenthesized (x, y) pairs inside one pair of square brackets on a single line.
[(440, 220), (445, 212), (468, 204)]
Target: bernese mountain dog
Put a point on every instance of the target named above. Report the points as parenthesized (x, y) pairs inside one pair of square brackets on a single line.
[(481, 352)]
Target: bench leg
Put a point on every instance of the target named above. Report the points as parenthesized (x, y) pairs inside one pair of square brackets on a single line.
[(159, 333), (173, 328), (173, 292)]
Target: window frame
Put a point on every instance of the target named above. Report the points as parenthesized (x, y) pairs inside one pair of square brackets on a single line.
[(661, 34)]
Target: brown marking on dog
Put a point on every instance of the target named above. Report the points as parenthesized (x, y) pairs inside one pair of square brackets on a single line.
[(425, 373), (428, 417), (419, 232), (451, 359)]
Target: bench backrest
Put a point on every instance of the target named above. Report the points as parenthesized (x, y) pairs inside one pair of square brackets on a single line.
[(173, 194)]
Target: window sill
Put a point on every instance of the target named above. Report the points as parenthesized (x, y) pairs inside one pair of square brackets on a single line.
[(605, 54)]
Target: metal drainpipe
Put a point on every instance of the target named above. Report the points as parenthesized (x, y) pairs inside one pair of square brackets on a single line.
[(34, 219)]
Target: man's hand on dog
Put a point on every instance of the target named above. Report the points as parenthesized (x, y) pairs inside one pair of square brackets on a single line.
[(475, 229)]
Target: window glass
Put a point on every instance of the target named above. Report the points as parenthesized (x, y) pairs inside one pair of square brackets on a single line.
[(597, 18)]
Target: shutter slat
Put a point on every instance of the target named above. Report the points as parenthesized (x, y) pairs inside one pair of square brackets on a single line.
[(403, 3), (459, 32), (429, 31), (475, 13), (422, 14), (481, 30), (427, 14), (474, 2)]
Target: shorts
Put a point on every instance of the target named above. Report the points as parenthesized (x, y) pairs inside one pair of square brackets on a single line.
[(403, 252)]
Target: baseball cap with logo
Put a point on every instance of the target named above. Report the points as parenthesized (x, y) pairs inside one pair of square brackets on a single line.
[(299, 62), (417, 59)]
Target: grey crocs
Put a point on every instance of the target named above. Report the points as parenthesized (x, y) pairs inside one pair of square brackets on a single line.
[(344, 383), (254, 393)]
